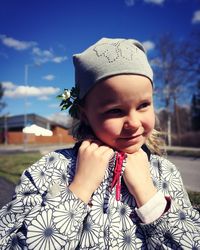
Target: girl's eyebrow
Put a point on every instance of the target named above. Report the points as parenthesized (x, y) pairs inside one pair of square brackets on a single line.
[(113, 102), (107, 102)]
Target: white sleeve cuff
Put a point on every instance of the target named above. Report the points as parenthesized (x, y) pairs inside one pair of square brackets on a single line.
[(153, 209)]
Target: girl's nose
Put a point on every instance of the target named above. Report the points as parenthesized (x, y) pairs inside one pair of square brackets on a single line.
[(132, 122)]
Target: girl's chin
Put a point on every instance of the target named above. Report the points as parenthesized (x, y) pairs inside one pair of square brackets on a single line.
[(130, 146), (129, 150)]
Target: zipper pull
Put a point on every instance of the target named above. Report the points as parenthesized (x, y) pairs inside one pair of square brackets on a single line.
[(117, 174)]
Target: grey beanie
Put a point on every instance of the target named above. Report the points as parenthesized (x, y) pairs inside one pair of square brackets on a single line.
[(109, 57)]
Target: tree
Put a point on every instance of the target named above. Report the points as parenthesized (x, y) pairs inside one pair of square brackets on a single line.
[(185, 123), (195, 109), (190, 50), (170, 78), (177, 74)]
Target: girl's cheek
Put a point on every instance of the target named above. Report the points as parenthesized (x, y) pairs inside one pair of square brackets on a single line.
[(111, 127), (150, 126), (149, 120)]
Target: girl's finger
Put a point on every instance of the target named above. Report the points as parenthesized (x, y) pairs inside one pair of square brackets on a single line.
[(106, 151), (85, 144)]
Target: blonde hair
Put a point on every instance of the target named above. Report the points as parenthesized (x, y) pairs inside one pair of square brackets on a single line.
[(156, 143)]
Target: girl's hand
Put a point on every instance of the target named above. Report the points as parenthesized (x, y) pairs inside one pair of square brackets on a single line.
[(138, 178), (93, 159)]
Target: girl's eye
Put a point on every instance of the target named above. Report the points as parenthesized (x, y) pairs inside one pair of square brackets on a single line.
[(113, 111), (144, 105)]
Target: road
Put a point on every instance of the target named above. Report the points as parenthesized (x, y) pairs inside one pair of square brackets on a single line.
[(189, 168), (6, 191)]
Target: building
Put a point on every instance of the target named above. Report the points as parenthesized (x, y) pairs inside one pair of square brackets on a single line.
[(11, 130)]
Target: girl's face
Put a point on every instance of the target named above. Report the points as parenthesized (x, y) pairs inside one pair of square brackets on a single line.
[(120, 111)]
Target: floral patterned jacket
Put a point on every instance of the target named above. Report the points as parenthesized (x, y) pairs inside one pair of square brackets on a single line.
[(44, 214)]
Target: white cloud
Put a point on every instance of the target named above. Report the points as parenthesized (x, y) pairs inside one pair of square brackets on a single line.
[(148, 45), (156, 62), (44, 56), (42, 53), (8, 85), (196, 17), (59, 59), (158, 2), (20, 91), (129, 2), (49, 77), (39, 56), (16, 44)]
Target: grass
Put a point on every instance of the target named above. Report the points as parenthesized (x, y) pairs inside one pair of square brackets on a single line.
[(12, 166), (195, 199)]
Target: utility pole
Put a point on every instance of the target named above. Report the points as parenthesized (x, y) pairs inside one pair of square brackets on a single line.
[(169, 138), (6, 128), (26, 86), (26, 68), (167, 99)]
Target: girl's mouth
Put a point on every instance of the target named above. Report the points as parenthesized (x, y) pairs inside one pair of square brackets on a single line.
[(132, 139)]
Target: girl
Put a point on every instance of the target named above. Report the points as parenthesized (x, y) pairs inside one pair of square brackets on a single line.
[(112, 190)]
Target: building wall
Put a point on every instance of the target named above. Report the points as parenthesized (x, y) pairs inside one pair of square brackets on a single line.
[(60, 135), (14, 137)]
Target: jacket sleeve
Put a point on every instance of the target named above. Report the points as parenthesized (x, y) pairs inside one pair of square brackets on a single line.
[(179, 227), (43, 214)]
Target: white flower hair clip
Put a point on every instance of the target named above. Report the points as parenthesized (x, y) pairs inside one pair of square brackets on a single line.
[(69, 100)]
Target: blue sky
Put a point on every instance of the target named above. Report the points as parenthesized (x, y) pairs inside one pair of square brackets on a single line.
[(43, 35)]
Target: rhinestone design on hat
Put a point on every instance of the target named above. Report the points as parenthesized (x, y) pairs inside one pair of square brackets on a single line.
[(114, 51), (109, 57)]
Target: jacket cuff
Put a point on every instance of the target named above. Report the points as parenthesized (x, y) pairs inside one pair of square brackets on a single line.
[(153, 209)]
